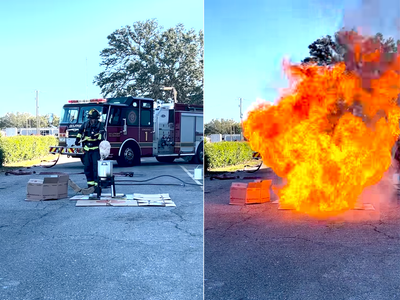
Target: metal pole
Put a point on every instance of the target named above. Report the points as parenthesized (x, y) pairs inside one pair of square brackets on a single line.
[(37, 113), (240, 105), (175, 94), (171, 88), (87, 95)]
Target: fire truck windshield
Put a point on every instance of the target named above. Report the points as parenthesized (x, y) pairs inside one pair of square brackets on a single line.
[(69, 115), (78, 114), (85, 110)]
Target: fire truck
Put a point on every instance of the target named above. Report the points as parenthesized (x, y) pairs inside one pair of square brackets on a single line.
[(135, 128)]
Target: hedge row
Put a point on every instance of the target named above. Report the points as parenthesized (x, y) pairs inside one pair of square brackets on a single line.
[(20, 148), (222, 154)]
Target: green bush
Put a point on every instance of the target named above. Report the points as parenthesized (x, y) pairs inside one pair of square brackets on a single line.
[(222, 154), (20, 148)]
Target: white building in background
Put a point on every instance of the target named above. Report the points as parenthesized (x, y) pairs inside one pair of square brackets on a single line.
[(215, 138), (13, 131), (233, 137)]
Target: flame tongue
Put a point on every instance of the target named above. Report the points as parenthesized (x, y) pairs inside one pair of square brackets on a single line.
[(332, 136)]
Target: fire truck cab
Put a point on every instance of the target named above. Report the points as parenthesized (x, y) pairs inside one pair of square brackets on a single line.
[(135, 128)]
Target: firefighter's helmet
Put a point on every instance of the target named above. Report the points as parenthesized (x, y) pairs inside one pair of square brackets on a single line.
[(93, 114)]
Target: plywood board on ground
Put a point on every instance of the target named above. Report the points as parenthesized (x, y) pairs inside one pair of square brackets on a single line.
[(150, 203), (106, 203), (285, 206), (169, 203), (103, 196), (126, 200), (358, 206), (107, 196), (365, 206), (151, 196)]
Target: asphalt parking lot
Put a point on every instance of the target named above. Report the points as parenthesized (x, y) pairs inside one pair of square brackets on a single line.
[(260, 252), (55, 250)]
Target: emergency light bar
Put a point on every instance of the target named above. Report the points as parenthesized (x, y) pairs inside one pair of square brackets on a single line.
[(87, 101)]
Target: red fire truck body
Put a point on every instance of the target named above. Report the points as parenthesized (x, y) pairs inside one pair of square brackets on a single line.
[(135, 128)]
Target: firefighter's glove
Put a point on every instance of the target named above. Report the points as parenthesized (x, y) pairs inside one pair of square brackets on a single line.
[(77, 142)]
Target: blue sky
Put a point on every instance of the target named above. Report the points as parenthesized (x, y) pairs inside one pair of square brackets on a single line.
[(54, 46), (245, 42)]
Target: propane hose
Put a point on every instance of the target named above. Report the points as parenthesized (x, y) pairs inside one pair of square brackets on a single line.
[(174, 184), (119, 181)]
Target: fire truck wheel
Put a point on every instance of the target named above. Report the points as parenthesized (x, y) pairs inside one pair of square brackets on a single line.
[(198, 158), (130, 156), (165, 159)]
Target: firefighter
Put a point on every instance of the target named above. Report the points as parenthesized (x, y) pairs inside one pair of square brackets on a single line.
[(90, 134)]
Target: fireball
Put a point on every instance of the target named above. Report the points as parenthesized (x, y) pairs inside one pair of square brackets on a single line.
[(331, 136)]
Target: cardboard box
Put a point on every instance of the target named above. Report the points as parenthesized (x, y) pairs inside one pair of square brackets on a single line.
[(251, 193), (52, 187), (265, 194), (238, 193)]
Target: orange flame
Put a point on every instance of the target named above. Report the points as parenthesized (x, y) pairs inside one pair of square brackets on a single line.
[(316, 138)]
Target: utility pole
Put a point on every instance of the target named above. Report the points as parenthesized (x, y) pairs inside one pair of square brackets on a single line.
[(240, 105), (87, 95), (37, 113), (241, 117)]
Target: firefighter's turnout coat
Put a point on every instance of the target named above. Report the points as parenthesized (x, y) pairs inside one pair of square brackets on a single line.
[(90, 136)]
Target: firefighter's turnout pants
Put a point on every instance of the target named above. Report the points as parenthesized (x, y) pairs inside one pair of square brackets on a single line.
[(90, 159), (92, 135)]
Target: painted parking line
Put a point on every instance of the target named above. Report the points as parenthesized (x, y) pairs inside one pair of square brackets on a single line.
[(191, 176)]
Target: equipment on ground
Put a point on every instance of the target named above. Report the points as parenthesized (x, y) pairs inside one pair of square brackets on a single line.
[(105, 177)]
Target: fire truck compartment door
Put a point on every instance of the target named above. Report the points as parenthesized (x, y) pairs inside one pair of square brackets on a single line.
[(188, 133), (199, 129)]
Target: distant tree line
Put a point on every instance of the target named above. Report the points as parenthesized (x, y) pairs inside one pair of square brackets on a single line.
[(25, 120), (223, 126)]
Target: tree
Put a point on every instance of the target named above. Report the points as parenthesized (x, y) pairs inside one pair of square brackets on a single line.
[(25, 120), (142, 59), (326, 51), (56, 121), (222, 126), (18, 120)]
